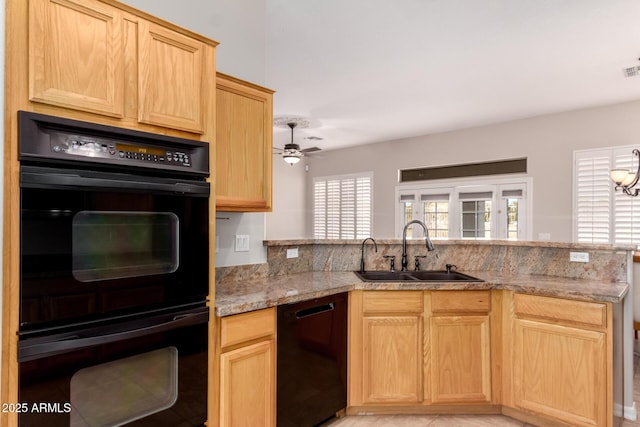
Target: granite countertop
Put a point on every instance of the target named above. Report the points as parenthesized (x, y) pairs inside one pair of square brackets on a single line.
[(243, 296)]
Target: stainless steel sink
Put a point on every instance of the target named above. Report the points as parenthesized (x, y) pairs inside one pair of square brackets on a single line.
[(419, 276)]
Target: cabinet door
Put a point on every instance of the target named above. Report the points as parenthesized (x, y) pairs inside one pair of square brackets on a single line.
[(76, 55), (392, 365), (170, 78), (247, 386), (244, 129), (460, 359), (560, 371), (386, 350)]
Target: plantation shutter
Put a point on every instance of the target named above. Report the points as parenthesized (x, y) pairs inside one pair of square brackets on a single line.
[(363, 207), (593, 190), (342, 207), (627, 209), (319, 209), (333, 209)]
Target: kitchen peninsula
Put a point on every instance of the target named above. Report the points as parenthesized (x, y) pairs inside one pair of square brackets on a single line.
[(539, 339)]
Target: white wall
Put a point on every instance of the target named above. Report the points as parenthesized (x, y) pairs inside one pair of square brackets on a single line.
[(547, 141), (286, 221), (239, 26), (289, 215)]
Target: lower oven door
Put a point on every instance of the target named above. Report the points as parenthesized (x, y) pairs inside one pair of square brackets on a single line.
[(142, 372)]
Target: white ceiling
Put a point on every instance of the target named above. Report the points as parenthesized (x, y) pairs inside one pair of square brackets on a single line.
[(365, 71)]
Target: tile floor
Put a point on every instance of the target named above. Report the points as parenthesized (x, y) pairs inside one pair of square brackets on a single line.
[(464, 420)]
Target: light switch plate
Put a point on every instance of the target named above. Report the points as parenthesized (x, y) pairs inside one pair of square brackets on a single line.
[(292, 253), (242, 243)]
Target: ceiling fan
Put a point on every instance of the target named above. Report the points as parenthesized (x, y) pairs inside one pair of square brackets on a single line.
[(291, 153)]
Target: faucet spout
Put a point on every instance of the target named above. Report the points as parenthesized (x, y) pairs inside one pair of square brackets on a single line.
[(375, 245), (404, 241)]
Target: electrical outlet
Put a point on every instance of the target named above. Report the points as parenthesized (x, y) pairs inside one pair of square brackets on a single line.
[(242, 243), (579, 256), (292, 253)]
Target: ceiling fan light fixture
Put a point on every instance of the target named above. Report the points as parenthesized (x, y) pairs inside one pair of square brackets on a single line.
[(292, 151), (291, 158)]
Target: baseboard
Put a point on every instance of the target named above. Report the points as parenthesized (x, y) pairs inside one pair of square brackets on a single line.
[(630, 412)]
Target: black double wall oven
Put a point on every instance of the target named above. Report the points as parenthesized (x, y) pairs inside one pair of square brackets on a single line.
[(114, 256)]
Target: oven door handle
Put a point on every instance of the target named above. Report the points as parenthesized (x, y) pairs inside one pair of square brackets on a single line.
[(37, 350), (39, 177)]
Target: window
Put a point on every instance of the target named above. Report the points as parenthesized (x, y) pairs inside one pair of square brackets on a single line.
[(436, 214), (342, 206), (476, 214), (465, 209), (512, 206), (602, 215)]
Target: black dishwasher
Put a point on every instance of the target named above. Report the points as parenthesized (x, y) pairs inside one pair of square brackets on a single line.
[(312, 361)]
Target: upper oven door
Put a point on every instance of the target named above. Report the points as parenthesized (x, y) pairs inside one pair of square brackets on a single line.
[(97, 245)]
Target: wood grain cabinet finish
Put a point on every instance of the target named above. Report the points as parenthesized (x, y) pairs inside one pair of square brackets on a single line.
[(171, 72), (105, 62), (560, 360), (247, 366), (386, 353), (92, 56), (244, 133), (76, 55), (460, 346)]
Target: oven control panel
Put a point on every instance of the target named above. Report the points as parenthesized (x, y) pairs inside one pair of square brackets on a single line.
[(47, 139), (77, 145)]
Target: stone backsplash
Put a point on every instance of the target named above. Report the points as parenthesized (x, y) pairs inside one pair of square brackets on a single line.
[(606, 262)]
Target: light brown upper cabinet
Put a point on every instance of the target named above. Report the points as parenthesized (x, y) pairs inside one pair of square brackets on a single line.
[(244, 133), (76, 59), (106, 58), (171, 75)]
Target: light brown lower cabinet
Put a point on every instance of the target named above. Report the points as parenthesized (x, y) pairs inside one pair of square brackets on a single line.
[(247, 364), (416, 348), (562, 360), (391, 361), (460, 346), (546, 361)]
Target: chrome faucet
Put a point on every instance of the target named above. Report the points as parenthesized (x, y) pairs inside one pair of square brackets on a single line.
[(404, 241), (362, 253)]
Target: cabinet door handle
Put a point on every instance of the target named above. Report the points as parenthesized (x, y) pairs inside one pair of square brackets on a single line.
[(307, 312)]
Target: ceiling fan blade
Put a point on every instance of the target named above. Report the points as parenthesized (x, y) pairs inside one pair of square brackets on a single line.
[(277, 150), (311, 149)]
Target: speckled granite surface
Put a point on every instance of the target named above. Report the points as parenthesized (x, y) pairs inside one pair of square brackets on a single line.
[(324, 268), (605, 262), (239, 297)]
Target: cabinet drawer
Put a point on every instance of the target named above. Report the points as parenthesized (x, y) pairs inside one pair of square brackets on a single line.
[(247, 326), (460, 301), (570, 311), (392, 301)]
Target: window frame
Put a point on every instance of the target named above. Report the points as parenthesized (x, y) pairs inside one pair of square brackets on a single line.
[(470, 185)]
